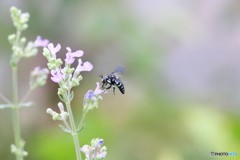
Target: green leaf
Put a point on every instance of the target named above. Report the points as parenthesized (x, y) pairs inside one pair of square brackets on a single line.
[(26, 104), (80, 128)]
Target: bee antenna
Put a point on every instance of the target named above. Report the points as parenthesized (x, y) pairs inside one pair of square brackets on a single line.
[(101, 75)]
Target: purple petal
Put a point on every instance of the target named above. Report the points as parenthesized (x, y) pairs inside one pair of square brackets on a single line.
[(86, 150), (69, 49), (89, 94), (87, 66), (56, 76), (70, 56), (102, 154), (53, 49), (78, 53), (98, 90), (99, 143)]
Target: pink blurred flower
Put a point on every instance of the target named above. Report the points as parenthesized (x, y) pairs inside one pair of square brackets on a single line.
[(39, 42)]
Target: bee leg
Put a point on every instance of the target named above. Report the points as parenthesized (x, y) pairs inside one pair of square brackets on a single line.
[(114, 90), (108, 86)]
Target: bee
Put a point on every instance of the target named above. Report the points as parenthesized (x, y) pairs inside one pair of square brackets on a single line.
[(112, 80)]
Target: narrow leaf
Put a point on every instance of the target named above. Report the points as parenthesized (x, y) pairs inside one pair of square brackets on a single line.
[(64, 129), (26, 104), (2, 106)]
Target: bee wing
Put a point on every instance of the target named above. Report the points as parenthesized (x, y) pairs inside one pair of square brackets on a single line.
[(119, 70)]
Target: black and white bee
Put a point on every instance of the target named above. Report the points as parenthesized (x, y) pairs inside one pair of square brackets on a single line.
[(112, 80)]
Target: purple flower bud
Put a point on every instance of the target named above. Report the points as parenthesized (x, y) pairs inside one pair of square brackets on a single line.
[(99, 143), (61, 107)]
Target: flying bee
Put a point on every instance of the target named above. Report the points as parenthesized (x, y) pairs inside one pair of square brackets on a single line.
[(112, 80)]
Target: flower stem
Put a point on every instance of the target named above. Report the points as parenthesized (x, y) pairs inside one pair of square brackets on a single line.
[(74, 132), (81, 124), (26, 96), (15, 114)]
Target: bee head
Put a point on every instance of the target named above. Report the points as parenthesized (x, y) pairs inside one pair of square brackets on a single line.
[(103, 79)]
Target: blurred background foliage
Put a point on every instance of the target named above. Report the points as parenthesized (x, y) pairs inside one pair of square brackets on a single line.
[(182, 77)]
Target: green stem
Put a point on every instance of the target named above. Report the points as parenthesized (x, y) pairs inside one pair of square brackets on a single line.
[(74, 132), (15, 114)]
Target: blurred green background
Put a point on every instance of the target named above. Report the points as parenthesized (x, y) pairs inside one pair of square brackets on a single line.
[(182, 77)]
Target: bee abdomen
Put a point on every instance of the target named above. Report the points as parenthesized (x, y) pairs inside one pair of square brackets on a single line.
[(120, 86)]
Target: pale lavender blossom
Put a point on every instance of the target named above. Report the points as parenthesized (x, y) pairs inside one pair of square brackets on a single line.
[(89, 95), (98, 89), (92, 95), (39, 42), (57, 76), (91, 98), (86, 66), (70, 56), (86, 150), (53, 49)]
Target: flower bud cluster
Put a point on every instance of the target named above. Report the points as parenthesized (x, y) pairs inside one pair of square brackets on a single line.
[(38, 77), (19, 150), (95, 151), (66, 76), (62, 116), (92, 98), (19, 19), (20, 47)]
